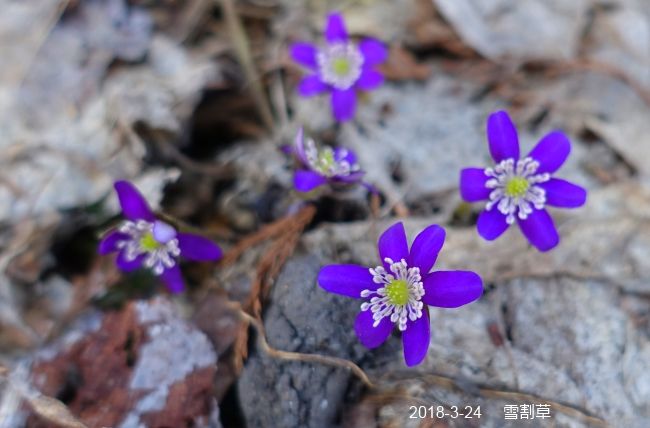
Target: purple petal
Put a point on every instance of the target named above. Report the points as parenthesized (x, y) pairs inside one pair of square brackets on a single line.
[(352, 178), (451, 289), (195, 247), (134, 206), (173, 279), (341, 153), (346, 280), (369, 336), (491, 224), (129, 265), (425, 248), (539, 229), (306, 181), (344, 103), (472, 185), (108, 244), (373, 51), (311, 85), (335, 28), (163, 232), (562, 193), (304, 54), (416, 338), (551, 152), (299, 144), (369, 80), (502, 137), (392, 244), (287, 149)]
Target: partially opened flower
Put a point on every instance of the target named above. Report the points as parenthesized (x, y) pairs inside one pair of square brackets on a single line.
[(396, 291), (518, 189), (340, 67), (324, 165), (142, 240)]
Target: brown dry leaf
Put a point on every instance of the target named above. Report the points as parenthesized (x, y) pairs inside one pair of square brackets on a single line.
[(362, 414), (430, 31), (54, 411), (402, 65), (286, 233), (128, 360)]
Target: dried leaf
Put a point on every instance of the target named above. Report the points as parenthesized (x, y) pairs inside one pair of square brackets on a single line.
[(54, 411), (402, 65)]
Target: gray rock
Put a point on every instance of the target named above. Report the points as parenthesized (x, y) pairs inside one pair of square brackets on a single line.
[(537, 29), (301, 318), (571, 319)]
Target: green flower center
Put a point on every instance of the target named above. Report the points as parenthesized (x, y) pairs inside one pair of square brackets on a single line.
[(148, 243), (398, 292), (341, 66), (326, 159), (517, 187)]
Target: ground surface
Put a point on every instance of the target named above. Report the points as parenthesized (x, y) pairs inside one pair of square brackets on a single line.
[(192, 107)]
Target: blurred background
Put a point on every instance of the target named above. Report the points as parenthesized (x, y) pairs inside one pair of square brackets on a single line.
[(191, 100)]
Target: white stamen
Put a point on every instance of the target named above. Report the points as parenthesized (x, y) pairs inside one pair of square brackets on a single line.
[(522, 206), (380, 303), (158, 259), (328, 162), (327, 59)]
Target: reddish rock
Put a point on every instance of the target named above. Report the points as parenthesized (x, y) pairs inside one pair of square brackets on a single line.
[(143, 366)]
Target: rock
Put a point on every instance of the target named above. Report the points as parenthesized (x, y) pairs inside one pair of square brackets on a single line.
[(67, 123), (140, 366), (570, 319), (606, 107), (537, 29), (620, 37), (301, 318)]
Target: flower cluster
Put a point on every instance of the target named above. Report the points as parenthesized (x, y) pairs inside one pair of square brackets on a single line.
[(340, 67), (324, 165), (519, 189), (142, 240), (396, 291)]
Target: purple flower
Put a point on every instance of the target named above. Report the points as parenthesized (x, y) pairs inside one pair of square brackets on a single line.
[(519, 189), (396, 291), (143, 240), (340, 67), (327, 165)]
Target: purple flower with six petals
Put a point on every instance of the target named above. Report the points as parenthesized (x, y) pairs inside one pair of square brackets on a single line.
[(519, 189), (397, 291), (325, 165), (340, 67), (143, 240)]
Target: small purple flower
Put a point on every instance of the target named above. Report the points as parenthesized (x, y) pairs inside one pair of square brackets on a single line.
[(143, 240), (322, 166), (519, 189), (397, 291), (340, 67)]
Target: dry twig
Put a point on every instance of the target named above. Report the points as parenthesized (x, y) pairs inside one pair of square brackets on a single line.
[(288, 231), (502, 394), (242, 49), (297, 356)]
